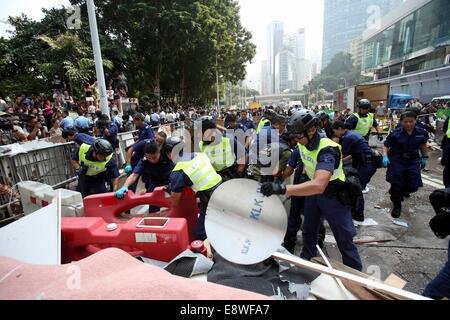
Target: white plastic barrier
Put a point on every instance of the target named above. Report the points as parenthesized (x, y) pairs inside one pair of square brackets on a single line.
[(35, 195)]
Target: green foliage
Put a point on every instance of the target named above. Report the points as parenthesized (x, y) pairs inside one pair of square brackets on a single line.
[(339, 72), (170, 44)]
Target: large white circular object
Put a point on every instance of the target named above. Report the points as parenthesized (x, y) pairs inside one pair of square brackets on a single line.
[(242, 225)]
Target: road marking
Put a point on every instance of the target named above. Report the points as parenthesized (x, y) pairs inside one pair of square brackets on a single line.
[(432, 179)]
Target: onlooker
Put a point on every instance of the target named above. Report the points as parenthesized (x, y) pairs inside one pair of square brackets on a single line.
[(154, 119), (68, 101), (381, 110), (162, 116), (56, 129), (58, 98), (34, 130)]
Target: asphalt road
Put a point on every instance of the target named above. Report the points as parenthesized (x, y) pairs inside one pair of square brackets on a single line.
[(413, 253)]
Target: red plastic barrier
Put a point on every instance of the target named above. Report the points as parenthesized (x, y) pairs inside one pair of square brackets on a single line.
[(108, 207), (155, 238)]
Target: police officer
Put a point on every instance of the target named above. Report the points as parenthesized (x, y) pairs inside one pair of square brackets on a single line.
[(268, 141), (229, 162), (322, 160), (95, 166), (356, 150), (326, 123), (135, 153), (107, 130), (79, 138), (445, 146), (266, 120), (192, 170), (439, 287), (155, 169), (295, 166), (405, 151), (363, 121), (246, 122), (145, 131)]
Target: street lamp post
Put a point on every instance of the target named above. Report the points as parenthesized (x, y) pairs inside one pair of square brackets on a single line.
[(217, 84), (97, 57)]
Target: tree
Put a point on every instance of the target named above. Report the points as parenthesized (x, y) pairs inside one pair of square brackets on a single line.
[(69, 56), (332, 77)]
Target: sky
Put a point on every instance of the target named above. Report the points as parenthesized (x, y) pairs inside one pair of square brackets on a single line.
[(255, 16)]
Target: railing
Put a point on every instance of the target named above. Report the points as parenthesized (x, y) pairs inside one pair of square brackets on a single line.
[(52, 165)]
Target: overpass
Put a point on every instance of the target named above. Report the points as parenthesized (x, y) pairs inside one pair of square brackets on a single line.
[(277, 97)]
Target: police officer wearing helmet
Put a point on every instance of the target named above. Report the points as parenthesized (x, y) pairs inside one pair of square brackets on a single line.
[(192, 170), (95, 166), (363, 121), (266, 120), (326, 123), (155, 168), (405, 152), (228, 162), (322, 160), (357, 152)]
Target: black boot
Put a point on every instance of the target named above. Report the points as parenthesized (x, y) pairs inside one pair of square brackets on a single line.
[(289, 245), (357, 216), (396, 211)]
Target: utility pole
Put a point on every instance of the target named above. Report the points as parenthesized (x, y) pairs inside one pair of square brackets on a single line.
[(97, 57), (217, 84)]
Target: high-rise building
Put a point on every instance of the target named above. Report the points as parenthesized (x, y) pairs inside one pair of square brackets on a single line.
[(303, 73), (411, 49), (296, 42), (355, 50), (275, 35), (345, 20), (265, 78), (285, 69)]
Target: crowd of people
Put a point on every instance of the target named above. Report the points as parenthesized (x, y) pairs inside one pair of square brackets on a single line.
[(327, 152)]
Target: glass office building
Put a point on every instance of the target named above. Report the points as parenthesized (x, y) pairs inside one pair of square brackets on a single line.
[(345, 20), (416, 42)]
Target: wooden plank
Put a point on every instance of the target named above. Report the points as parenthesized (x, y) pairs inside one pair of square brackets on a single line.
[(395, 281), (325, 287), (402, 294)]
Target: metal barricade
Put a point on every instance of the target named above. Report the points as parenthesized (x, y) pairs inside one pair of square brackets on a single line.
[(50, 165)]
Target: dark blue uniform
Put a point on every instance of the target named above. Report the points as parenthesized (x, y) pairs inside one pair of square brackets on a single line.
[(138, 155), (404, 173), (154, 175), (82, 138), (328, 206), (179, 181), (352, 122), (248, 124), (112, 138), (96, 184), (445, 146), (145, 133), (355, 145)]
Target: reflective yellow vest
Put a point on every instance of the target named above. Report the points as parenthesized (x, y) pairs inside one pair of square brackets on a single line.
[(200, 172), (448, 130), (309, 159), (94, 167), (261, 125), (364, 124), (221, 154)]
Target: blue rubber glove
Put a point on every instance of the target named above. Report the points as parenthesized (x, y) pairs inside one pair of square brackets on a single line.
[(424, 163), (128, 169), (386, 161), (120, 194)]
